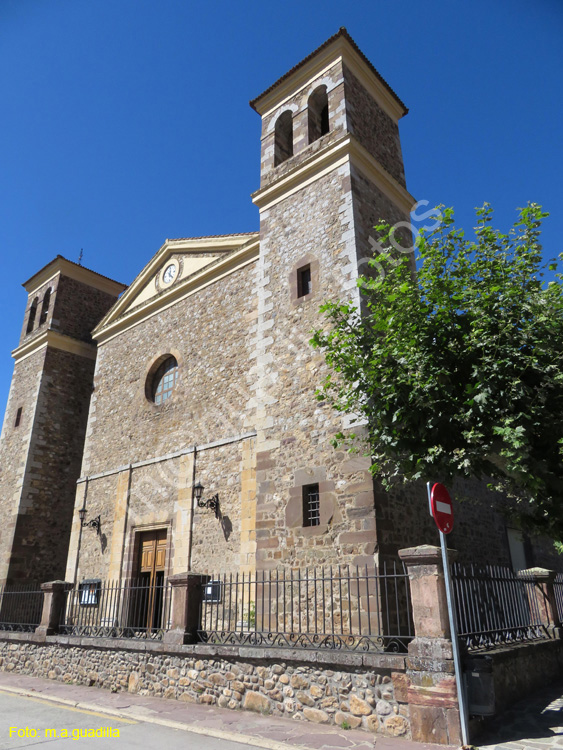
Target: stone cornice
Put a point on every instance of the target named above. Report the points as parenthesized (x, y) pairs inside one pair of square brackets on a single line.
[(74, 271), (224, 244), (346, 149), (55, 340), (120, 319)]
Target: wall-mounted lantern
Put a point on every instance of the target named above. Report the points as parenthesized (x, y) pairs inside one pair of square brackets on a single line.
[(94, 523), (212, 503)]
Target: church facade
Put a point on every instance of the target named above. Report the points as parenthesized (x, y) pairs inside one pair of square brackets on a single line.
[(172, 425)]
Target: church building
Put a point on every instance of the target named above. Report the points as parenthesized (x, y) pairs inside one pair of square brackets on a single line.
[(172, 425)]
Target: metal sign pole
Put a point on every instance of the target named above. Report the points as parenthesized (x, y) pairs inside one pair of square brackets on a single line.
[(455, 646), (463, 717)]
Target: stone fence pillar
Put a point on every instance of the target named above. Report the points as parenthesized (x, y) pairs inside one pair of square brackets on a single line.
[(544, 592), (187, 594), (432, 692), (54, 601)]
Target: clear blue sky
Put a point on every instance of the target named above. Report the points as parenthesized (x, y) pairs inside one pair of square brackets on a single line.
[(125, 122)]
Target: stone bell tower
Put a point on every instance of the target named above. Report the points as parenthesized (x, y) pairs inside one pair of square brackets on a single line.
[(331, 168), (45, 421)]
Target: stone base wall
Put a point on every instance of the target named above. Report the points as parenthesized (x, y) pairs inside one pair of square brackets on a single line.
[(516, 671), (365, 691)]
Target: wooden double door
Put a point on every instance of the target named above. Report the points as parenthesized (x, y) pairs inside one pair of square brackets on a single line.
[(149, 580)]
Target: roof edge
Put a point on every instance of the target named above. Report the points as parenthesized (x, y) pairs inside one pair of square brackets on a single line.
[(212, 236), (341, 33), (73, 269)]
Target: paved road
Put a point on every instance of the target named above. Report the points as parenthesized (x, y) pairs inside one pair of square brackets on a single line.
[(33, 722), (532, 724)]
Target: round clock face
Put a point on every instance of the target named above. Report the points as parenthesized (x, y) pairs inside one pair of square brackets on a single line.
[(169, 273)]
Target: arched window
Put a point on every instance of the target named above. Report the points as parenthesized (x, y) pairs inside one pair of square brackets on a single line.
[(283, 147), (317, 108), (32, 314), (164, 380), (45, 307)]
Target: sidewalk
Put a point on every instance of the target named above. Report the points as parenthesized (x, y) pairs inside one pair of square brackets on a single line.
[(535, 723), (273, 733)]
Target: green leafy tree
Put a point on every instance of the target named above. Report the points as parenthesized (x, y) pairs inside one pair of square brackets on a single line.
[(456, 369)]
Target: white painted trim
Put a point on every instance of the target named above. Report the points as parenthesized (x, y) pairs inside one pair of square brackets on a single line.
[(185, 288), (302, 88), (309, 170), (347, 148), (302, 184), (55, 340), (226, 244)]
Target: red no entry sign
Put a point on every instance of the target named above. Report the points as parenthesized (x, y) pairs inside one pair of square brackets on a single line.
[(442, 509)]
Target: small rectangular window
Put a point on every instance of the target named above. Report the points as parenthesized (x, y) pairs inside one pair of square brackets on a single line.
[(18, 417), (304, 285), (311, 505)]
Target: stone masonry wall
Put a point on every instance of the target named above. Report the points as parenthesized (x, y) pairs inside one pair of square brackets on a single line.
[(313, 226), (371, 698), (154, 502), (43, 525), (517, 670), (14, 446), (209, 334), (370, 206), (479, 534), (373, 127), (78, 308)]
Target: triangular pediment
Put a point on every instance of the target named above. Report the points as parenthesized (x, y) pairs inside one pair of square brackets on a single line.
[(178, 264)]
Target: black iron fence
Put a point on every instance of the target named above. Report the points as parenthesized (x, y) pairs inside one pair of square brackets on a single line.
[(334, 607), (20, 607), (495, 606), (558, 589), (343, 607), (106, 609)]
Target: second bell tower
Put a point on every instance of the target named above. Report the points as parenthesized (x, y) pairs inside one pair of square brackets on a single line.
[(331, 168)]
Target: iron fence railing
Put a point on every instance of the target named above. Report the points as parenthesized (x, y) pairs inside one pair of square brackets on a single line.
[(495, 606), (113, 609), (340, 607), (558, 589), (20, 607)]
